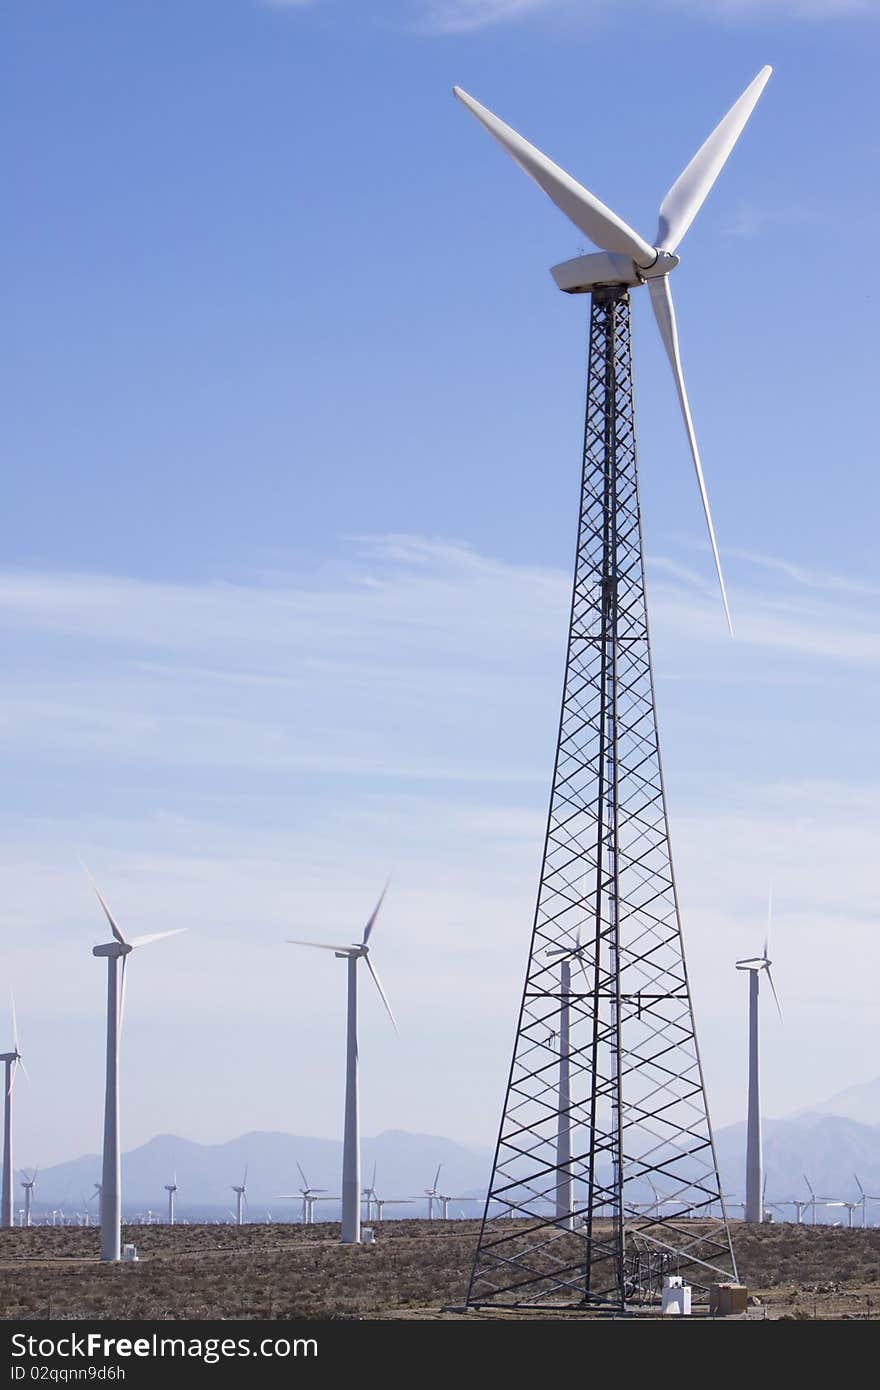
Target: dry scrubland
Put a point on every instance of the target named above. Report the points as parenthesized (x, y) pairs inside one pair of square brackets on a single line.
[(414, 1269)]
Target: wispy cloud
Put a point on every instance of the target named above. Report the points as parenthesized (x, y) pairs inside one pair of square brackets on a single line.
[(461, 16), (247, 757), (449, 17), (750, 221), (413, 660), (823, 580), (797, 9)]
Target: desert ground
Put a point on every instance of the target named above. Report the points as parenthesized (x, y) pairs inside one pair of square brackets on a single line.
[(416, 1269)]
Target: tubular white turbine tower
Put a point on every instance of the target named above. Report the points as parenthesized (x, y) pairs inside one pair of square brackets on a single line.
[(28, 1184), (240, 1198), (564, 1195), (11, 1062), (351, 1154), (433, 1192), (754, 1209), (111, 1179), (171, 1189)]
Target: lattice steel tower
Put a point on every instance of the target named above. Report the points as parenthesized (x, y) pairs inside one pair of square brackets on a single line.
[(605, 1163)]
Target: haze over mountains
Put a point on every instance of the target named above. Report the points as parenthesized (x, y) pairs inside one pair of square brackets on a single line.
[(829, 1142)]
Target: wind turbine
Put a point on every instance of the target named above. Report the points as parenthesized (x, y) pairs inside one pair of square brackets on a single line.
[(240, 1198), (608, 814), (309, 1196), (432, 1192), (625, 258), (564, 1175), (799, 1203), (754, 1156), (12, 1061), (864, 1199), (445, 1198), (28, 1184), (111, 1177), (813, 1199), (171, 1189), (369, 1194), (351, 1144), (381, 1203)]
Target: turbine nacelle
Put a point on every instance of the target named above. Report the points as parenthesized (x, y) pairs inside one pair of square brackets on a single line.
[(755, 963), (586, 273), (763, 962), (358, 950), (112, 948)]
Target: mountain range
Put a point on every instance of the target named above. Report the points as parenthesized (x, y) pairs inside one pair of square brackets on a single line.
[(830, 1143)]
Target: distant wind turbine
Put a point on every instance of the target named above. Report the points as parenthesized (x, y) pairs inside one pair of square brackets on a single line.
[(351, 1151), (444, 1198), (754, 1208), (28, 1184), (381, 1203), (12, 1061), (564, 1175), (369, 1194), (310, 1195), (433, 1192), (240, 1198), (813, 1199), (171, 1189), (111, 1178), (864, 1199)]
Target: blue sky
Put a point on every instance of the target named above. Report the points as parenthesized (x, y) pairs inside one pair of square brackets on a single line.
[(292, 431)]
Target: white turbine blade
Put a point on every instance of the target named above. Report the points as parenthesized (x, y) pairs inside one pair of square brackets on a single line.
[(775, 995), (121, 1009), (664, 312), (27, 1075), (691, 188), (107, 913), (14, 1022), (244, 1179), (604, 228), (437, 1177), (372, 922), (303, 1176), (155, 936), (769, 922), (378, 985), (318, 945)]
